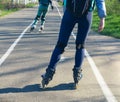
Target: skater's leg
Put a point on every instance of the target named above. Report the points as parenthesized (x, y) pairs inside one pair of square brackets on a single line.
[(43, 16), (83, 29), (36, 19), (42, 21), (39, 12), (67, 25), (66, 28)]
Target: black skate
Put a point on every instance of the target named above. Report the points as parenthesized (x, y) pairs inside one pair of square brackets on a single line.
[(41, 28), (47, 77), (32, 28), (77, 75)]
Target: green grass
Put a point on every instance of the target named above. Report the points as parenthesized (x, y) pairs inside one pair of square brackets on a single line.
[(60, 3), (112, 25), (30, 5), (6, 12)]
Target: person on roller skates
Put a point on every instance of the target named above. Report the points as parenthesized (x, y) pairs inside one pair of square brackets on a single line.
[(77, 12), (41, 14)]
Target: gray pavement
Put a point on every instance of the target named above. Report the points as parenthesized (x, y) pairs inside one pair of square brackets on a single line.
[(20, 73)]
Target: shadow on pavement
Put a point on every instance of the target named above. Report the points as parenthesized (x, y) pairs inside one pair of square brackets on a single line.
[(37, 88)]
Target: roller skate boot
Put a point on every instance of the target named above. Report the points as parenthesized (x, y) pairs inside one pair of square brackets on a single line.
[(41, 28), (47, 77), (77, 75), (32, 28)]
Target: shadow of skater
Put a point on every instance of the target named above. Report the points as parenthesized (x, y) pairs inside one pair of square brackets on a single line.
[(28, 88), (60, 87), (37, 88)]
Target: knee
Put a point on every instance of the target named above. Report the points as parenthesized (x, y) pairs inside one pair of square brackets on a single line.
[(61, 46), (80, 46), (37, 17), (43, 18)]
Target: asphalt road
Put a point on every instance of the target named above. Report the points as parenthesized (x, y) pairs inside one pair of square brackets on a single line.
[(24, 57)]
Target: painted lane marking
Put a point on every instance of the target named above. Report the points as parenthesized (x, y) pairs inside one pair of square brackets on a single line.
[(106, 90), (11, 48)]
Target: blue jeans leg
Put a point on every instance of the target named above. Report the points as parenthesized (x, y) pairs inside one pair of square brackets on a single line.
[(83, 29), (66, 28)]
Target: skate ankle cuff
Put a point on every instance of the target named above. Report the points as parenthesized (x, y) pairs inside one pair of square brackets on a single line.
[(50, 70), (77, 69)]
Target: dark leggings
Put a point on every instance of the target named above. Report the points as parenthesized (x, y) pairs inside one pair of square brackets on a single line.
[(67, 25)]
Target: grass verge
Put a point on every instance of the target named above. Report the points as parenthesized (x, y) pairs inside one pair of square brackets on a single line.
[(112, 25), (4, 12)]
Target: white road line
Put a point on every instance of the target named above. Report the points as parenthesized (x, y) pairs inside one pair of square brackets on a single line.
[(106, 90), (11, 48)]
